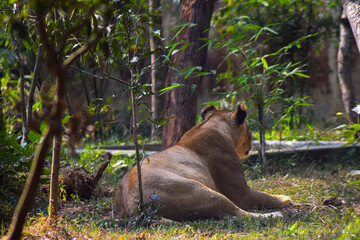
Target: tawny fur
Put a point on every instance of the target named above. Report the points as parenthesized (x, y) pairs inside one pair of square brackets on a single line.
[(202, 176)]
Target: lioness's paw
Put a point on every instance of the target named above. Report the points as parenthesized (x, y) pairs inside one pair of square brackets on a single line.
[(286, 200), (272, 215)]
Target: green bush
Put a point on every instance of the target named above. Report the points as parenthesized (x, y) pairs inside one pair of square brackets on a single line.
[(15, 161)]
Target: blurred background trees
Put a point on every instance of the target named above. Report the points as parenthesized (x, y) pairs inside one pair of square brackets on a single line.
[(291, 20)]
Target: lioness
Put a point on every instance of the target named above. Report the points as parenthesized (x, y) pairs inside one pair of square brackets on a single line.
[(202, 176)]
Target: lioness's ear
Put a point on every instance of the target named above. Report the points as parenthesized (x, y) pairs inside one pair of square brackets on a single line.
[(240, 114), (207, 110)]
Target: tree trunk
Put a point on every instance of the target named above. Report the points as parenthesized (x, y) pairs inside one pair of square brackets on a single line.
[(352, 11), (344, 68), (24, 123), (180, 103), (153, 69), (54, 184), (36, 73)]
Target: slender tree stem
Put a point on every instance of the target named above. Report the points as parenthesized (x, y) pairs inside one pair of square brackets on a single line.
[(24, 122), (36, 73), (262, 143), (152, 63), (54, 184), (28, 194), (138, 165)]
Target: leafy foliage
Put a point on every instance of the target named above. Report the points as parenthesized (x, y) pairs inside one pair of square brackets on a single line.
[(274, 39), (257, 72), (15, 161)]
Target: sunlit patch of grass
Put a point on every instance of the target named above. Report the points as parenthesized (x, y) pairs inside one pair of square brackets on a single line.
[(306, 223), (302, 134)]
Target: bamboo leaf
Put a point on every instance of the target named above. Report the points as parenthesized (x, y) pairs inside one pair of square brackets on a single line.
[(266, 66), (164, 90), (251, 27), (355, 183), (301, 75)]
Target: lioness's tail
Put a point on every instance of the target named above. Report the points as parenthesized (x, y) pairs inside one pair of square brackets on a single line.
[(119, 202)]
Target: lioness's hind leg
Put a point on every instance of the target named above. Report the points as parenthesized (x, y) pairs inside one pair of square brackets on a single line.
[(199, 201), (257, 199)]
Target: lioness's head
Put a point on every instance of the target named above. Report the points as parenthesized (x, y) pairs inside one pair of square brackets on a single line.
[(240, 132)]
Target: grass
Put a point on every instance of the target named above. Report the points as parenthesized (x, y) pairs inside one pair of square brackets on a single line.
[(308, 184)]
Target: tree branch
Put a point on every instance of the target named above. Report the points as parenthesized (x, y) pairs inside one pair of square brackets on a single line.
[(108, 76), (84, 48), (50, 50)]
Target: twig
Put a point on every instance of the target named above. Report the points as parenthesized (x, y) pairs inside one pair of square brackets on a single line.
[(84, 48), (36, 73), (88, 73), (118, 80), (108, 76)]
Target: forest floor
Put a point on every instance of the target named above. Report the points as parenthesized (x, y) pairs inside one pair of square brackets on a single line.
[(322, 186)]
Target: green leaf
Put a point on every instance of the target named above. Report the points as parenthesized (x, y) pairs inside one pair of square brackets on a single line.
[(34, 136), (172, 49), (302, 75), (65, 119), (348, 134), (255, 62), (355, 127), (46, 171), (108, 99), (270, 30), (178, 32), (191, 70), (202, 74), (183, 47), (266, 66), (164, 90), (307, 124), (355, 183), (251, 27)]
